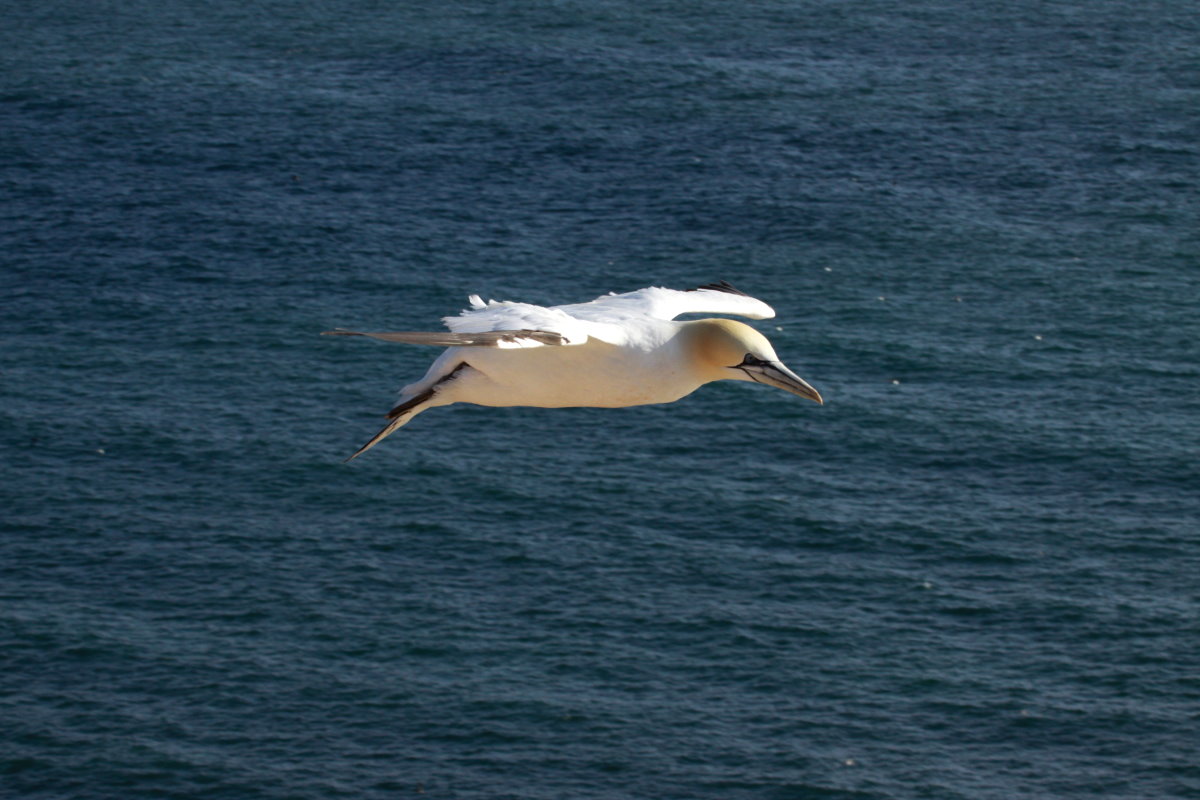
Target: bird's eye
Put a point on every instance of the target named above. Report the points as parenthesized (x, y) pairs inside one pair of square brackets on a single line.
[(752, 361)]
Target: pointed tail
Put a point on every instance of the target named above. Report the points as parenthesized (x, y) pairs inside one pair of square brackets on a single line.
[(397, 417)]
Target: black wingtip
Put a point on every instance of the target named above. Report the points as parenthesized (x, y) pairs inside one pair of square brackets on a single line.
[(720, 286)]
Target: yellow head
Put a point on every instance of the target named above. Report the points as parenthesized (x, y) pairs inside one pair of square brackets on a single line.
[(724, 349)]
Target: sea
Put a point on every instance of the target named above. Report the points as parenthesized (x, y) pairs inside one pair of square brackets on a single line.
[(973, 574)]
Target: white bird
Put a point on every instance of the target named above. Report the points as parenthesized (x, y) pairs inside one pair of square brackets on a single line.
[(618, 350)]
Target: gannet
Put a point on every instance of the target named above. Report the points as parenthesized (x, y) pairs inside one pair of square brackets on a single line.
[(617, 350)]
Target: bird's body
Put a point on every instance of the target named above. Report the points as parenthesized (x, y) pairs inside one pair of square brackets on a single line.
[(616, 351), (595, 373)]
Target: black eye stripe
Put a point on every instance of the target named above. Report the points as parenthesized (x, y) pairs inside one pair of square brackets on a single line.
[(752, 361)]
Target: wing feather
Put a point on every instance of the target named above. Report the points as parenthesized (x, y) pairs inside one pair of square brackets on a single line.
[(609, 318), (666, 304), (506, 316), (515, 338)]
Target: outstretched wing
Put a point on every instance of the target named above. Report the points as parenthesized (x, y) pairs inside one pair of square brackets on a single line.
[(496, 316), (607, 318), (517, 338), (666, 304)]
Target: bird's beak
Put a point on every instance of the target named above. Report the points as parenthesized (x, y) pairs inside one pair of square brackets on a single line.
[(772, 373)]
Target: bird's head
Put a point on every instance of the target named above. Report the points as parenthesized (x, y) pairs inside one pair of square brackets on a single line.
[(725, 349)]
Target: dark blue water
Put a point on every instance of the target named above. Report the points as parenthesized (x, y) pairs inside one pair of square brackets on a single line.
[(971, 574)]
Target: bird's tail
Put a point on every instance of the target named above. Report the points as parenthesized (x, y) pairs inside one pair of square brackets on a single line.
[(397, 418), (406, 410)]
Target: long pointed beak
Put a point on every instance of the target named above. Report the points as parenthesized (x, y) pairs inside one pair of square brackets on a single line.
[(772, 373)]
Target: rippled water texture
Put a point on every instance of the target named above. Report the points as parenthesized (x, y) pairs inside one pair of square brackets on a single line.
[(971, 575)]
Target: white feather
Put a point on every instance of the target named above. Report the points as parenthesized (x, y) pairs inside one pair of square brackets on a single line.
[(611, 318)]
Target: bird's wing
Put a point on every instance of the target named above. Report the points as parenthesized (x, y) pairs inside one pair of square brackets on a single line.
[(667, 304), (497, 316), (610, 318), (514, 338)]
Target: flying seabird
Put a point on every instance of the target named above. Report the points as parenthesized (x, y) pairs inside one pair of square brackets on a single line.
[(617, 350)]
